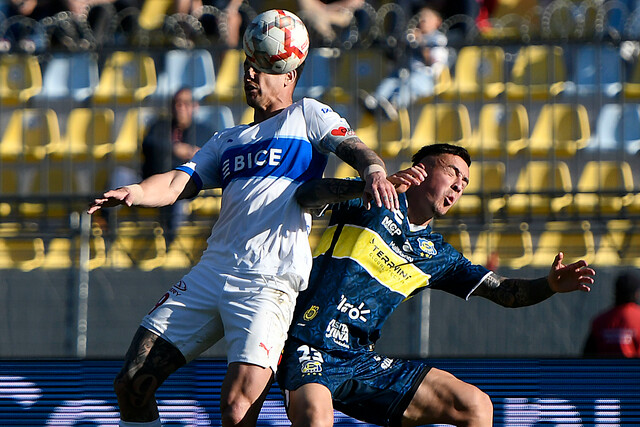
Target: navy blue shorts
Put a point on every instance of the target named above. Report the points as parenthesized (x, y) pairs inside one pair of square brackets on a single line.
[(364, 385)]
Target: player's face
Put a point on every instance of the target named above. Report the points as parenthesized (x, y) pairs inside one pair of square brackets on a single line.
[(265, 91), (447, 177)]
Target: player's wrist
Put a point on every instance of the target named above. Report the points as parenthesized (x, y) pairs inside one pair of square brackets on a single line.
[(373, 169), (135, 193)]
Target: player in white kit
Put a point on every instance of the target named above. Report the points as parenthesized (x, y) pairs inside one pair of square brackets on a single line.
[(258, 256)]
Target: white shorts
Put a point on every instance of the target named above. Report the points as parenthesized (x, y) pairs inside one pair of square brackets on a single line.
[(252, 313)]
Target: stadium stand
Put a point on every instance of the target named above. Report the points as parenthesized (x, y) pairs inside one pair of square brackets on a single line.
[(127, 77), (560, 130), (442, 122), (617, 129), (604, 187), (576, 241), (20, 78), (28, 134), (68, 75), (479, 73), (502, 128), (539, 73), (507, 246), (186, 68)]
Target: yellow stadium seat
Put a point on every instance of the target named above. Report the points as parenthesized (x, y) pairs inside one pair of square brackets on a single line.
[(358, 68), (126, 77), (630, 250), (576, 243), (58, 254), (561, 129), (442, 123), (128, 142), (479, 73), (18, 249), (138, 244), (153, 13), (28, 134), (501, 129), (513, 248), (485, 192), (20, 78), (611, 243), (89, 132), (187, 247), (207, 205), (388, 137), (229, 84), (538, 73), (603, 187), (541, 188), (459, 239), (97, 248), (632, 87)]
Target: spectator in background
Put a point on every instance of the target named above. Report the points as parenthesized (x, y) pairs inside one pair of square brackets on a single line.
[(428, 56), (616, 332), (170, 142), (324, 15)]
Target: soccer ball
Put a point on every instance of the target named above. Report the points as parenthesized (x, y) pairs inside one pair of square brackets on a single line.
[(276, 42)]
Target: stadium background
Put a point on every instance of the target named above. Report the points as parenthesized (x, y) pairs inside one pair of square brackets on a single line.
[(545, 95)]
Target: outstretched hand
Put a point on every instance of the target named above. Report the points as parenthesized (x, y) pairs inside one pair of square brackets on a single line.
[(405, 178), (119, 196), (568, 278), (378, 189)]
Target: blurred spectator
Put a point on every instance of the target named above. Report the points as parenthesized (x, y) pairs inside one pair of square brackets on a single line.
[(170, 142), (616, 332), (428, 56), (322, 15)]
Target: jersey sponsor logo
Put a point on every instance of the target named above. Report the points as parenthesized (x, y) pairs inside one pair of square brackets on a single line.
[(354, 313), (376, 256), (181, 286), (338, 332), (384, 363), (391, 226), (311, 367), (427, 247), (271, 157), (311, 313), (342, 131)]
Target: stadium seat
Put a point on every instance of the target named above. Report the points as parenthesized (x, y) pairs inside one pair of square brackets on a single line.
[(538, 73), (561, 129), (126, 77), (388, 137), (186, 68), (513, 247), (617, 129), (442, 123), (214, 117), (560, 236), (206, 205), (229, 86), (137, 244), (316, 76), (132, 131), (28, 134), (630, 249), (604, 187), (502, 128), (542, 188), (596, 70), (611, 243), (153, 13), (187, 247), (89, 134), (459, 239), (485, 192), (479, 73), (359, 68), (69, 76), (58, 253), (20, 78), (18, 249)]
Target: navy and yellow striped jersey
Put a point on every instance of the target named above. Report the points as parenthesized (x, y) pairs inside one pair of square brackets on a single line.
[(367, 263)]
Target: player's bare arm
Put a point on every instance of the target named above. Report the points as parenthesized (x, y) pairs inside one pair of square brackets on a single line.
[(523, 292), (157, 190), (371, 168)]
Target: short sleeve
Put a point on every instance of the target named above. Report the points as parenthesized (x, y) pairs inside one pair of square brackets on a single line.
[(204, 167), (326, 129)]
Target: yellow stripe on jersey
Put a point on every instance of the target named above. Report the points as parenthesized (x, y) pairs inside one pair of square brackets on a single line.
[(372, 253)]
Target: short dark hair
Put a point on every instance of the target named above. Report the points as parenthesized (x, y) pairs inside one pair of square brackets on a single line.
[(299, 70), (627, 287), (437, 149)]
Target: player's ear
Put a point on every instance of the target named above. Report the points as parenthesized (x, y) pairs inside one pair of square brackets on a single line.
[(291, 77)]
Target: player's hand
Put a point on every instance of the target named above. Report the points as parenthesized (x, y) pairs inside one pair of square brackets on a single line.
[(119, 196), (405, 178), (568, 278), (378, 189)]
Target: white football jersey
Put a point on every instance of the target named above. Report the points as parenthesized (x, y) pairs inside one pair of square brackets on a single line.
[(261, 228)]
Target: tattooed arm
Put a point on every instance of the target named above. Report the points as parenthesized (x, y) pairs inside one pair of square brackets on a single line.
[(522, 292), (372, 170)]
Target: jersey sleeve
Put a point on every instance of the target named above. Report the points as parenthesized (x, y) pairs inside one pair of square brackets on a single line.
[(326, 129), (204, 167), (462, 279)]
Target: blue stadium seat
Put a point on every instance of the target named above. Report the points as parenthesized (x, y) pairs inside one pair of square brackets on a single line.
[(316, 77), (617, 128), (214, 117), (69, 75), (596, 70), (190, 68)]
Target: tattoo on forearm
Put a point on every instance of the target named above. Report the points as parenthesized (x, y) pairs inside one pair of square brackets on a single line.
[(317, 193), (356, 153), (514, 292)]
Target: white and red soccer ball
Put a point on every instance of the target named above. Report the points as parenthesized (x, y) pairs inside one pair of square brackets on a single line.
[(276, 42)]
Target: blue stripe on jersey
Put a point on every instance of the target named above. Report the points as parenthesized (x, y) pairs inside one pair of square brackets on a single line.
[(193, 174), (292, 158)]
